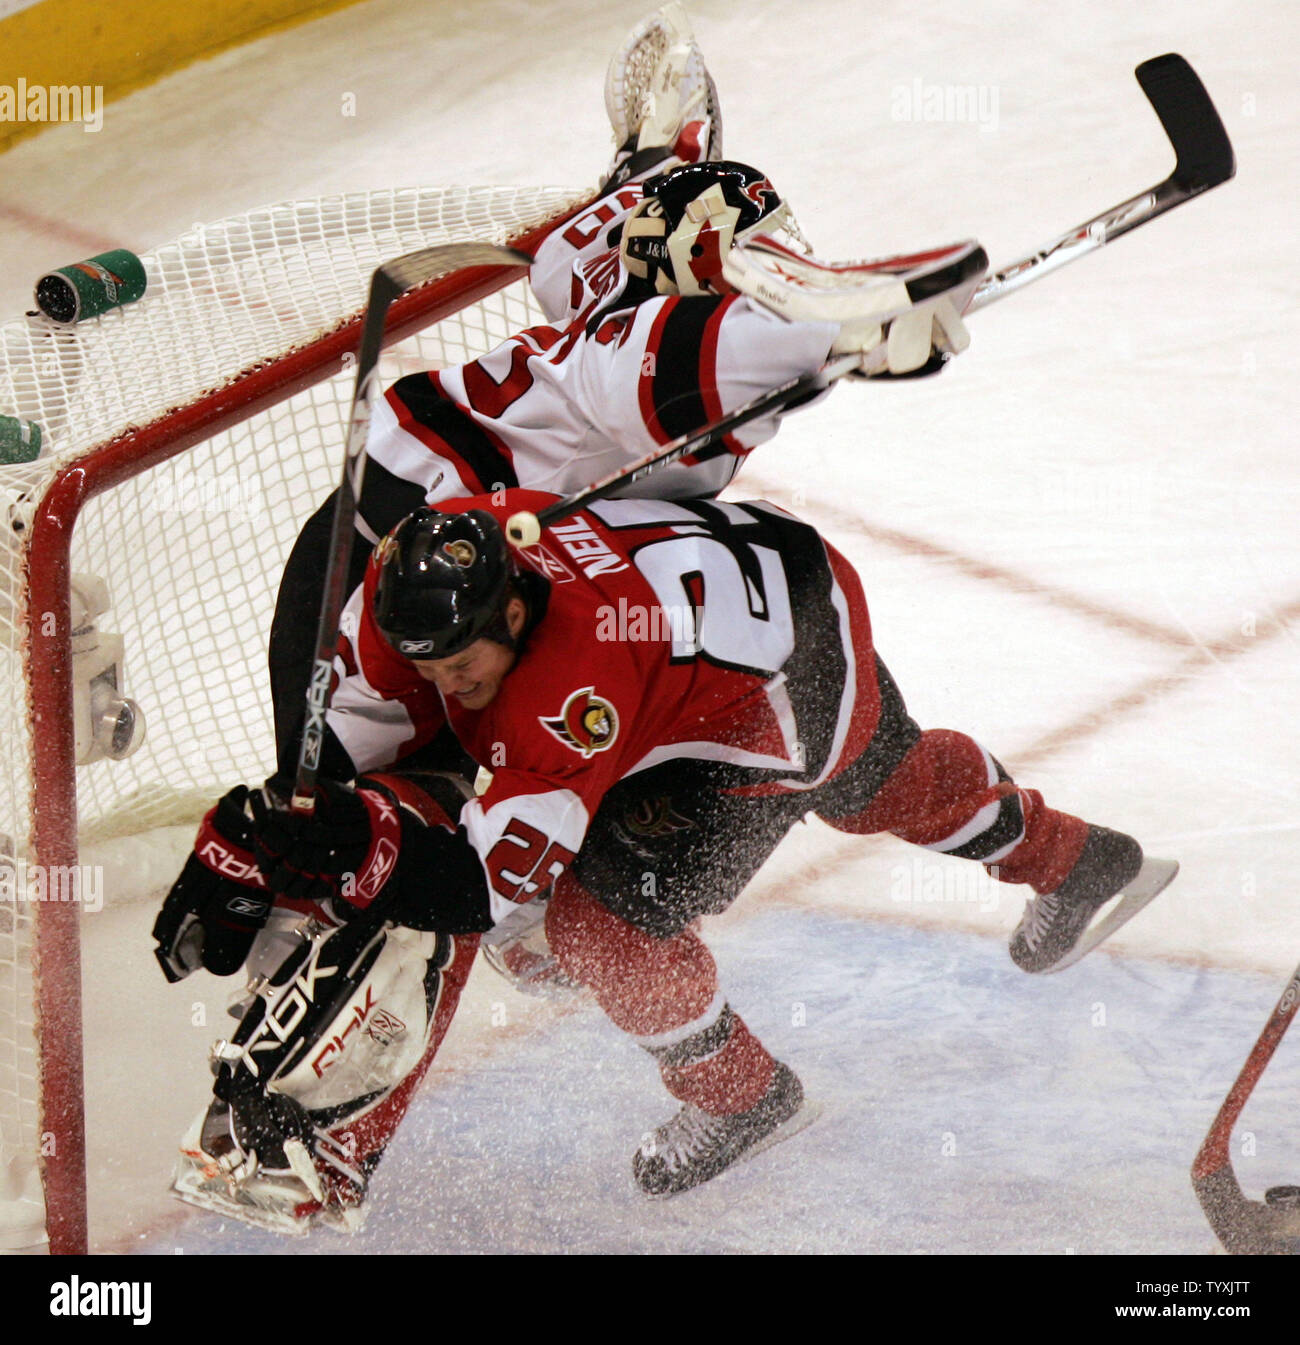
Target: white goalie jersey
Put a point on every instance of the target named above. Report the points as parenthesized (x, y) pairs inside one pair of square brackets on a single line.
[(614, 375)]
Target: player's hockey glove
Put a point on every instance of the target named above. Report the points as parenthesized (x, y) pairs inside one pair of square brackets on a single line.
[(364, 849), (220, 901), (344, 852)]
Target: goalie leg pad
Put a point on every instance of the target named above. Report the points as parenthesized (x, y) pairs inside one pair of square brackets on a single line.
[(320, 1072)]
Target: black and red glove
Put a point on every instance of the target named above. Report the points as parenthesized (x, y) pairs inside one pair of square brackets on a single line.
[(220, 901), (346, 848)]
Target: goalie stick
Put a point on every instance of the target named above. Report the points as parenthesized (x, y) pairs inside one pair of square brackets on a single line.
[(388, 283), (1203, 159), (1248, 1227)]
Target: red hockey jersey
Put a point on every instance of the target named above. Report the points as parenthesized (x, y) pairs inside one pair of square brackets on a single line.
[(727, 632)]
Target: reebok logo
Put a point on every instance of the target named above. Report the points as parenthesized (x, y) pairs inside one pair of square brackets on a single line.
[(92, 1298)]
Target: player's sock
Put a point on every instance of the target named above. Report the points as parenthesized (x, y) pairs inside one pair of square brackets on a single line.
[(664, 994), (949, 795)]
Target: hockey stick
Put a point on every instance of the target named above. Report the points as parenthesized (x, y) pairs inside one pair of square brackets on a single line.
[(388, 284), (525, 529), (1248, 1227), (1203, 159)]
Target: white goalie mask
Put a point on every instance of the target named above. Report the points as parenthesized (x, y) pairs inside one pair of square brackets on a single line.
[(679, 235)]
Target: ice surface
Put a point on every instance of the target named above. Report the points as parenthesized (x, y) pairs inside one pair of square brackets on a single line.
[(967, 1108), (1078, 543)]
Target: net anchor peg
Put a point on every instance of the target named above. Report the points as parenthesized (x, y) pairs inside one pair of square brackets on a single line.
[(106, 723)]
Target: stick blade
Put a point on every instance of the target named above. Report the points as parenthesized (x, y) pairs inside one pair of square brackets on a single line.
[(415, 268), (1193, 125), (1245, 1227)]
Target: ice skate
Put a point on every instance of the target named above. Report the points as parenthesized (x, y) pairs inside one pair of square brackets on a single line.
[(661, 100), (1058, 928), (696, 1146)]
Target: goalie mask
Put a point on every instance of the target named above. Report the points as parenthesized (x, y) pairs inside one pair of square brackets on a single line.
[(443, 583), (690, 217)]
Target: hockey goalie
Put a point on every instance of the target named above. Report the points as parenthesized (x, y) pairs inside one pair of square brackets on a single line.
[(681, 293)]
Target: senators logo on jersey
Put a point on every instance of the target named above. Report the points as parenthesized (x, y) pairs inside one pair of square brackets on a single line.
[(588, 723)]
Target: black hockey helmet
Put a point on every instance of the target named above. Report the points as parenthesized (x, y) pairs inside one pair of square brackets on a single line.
[(679, 235), (443, 583)]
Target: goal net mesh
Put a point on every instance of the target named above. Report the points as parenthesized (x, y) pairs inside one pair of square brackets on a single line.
[(192, 549)]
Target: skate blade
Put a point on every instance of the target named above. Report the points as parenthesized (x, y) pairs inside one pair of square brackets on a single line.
[(279, 1213), (801, 1120), (1153, 877)]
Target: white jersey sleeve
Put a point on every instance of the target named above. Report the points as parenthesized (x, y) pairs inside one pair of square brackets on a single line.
[(572, 265), (609, 378)]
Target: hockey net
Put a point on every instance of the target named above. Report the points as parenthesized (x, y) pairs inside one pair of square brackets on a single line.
[(186, 438)]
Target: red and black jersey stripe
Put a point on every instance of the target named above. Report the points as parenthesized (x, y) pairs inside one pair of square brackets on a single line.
[(427, 413), (679, 386)]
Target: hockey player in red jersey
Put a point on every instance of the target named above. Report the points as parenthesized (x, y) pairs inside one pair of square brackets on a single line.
[(661, 690)]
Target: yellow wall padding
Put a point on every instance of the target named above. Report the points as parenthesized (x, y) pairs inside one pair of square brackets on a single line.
[(120, 45)]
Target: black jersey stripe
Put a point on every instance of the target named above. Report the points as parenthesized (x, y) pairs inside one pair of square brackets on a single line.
[(675, 389), (483, 465), (386, 499)]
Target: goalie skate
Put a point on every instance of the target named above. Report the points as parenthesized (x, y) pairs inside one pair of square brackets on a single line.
[(659, 94), (1111, 882), (518, 950), (292, 1201)]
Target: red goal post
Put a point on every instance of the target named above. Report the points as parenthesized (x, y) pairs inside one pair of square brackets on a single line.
[(239, 358)]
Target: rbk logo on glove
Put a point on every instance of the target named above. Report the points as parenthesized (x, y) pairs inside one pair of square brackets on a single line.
[(381, 857), (226, 860)]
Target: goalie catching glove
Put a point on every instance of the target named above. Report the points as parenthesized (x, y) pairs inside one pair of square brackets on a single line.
[(347, 848), (220, 901)]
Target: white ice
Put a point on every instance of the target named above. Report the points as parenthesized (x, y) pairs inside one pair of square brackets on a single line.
[(1079, 545)]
